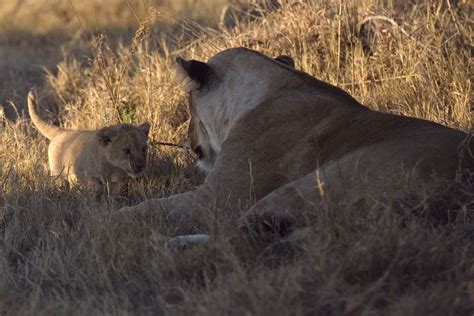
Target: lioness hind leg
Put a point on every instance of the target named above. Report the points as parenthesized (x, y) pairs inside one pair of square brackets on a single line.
[(299, 203), (372, 172), (278, 213)]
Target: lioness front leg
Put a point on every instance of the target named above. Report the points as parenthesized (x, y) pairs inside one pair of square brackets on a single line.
[(178, 207)]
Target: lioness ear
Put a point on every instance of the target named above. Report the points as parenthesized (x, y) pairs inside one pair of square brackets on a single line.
[(197, 71), (145, 127), (106, 135), (287, 60)]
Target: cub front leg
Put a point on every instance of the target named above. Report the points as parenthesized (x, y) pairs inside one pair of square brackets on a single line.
[(119, 188), (117, 185), (96, 187)]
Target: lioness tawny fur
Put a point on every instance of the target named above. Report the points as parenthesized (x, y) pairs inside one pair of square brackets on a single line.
[(279, 145), (102, 160)]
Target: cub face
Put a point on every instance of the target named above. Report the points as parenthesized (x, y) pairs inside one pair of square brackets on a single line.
[(125, 146)]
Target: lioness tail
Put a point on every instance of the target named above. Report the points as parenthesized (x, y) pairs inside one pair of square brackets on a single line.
[(48, 130)]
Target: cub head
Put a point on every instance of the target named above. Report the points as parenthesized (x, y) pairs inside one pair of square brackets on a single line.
[(125, 146), (230, 83)]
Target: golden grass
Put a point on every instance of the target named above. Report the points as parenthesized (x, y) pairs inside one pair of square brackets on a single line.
[(47, 32), (63, 253), (53, 16)]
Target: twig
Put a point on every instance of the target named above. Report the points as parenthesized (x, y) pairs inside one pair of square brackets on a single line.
[(158, 143), (453, 17), (5, 179), (375, 80), (339, 41), (393, 23), (168, 144)]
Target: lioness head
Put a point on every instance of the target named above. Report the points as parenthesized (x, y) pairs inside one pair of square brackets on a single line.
[(229, 84), (125, 146)]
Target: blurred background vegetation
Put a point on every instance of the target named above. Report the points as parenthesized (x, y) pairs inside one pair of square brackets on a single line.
[(37, 34)]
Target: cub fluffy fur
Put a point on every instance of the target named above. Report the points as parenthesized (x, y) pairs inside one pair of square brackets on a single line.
[(102, 160)]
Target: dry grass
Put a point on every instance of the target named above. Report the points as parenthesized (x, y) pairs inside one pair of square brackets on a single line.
[(63, 253), (49, 31)]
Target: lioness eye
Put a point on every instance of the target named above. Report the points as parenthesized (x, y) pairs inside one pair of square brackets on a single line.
[(127, 151)]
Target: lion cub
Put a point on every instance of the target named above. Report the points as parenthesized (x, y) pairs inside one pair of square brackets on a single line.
[(102, 160)]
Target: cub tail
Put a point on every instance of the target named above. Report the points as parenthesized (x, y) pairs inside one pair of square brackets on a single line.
[(48, 130)]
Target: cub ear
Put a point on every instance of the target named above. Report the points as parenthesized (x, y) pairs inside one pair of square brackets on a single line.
[(197, 71), (287, 60), (145, 127), (106, 135)]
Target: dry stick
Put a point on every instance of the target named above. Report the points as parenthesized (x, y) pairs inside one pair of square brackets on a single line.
[(453, 17), (184, 147), (196, 31), (339, 42), (168, 144), (133, 12), (376, 80), (393, 23), (5, 179), (352, 50)]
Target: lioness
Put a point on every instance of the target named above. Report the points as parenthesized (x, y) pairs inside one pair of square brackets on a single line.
[(102, 160), (274, 140)]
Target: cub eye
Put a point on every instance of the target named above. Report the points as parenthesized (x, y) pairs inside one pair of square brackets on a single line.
[(127, 151), (145, 148)]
